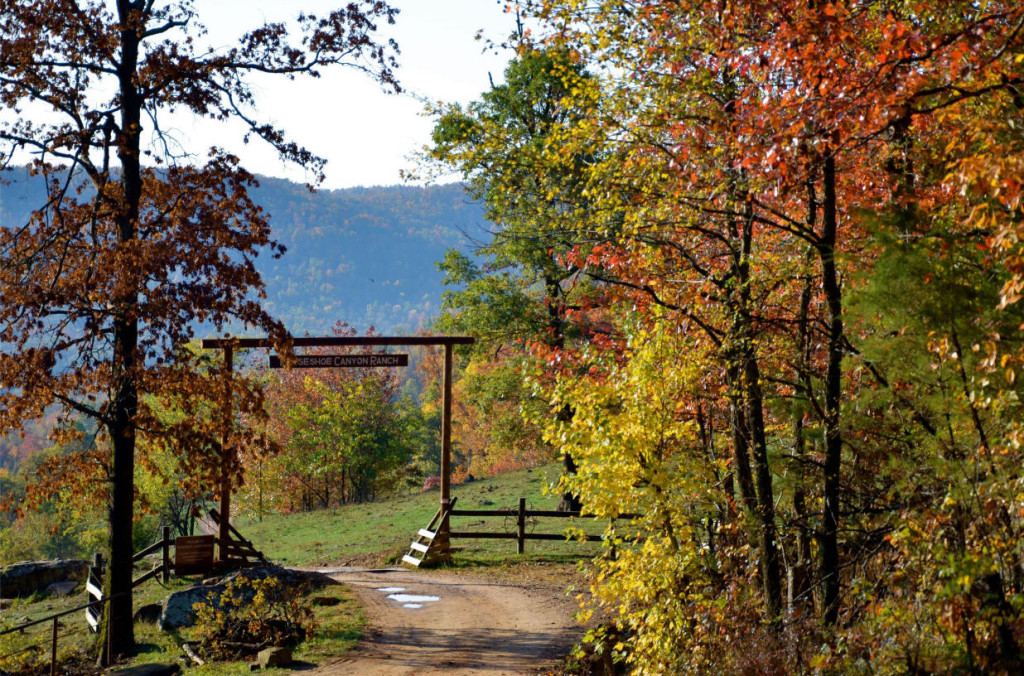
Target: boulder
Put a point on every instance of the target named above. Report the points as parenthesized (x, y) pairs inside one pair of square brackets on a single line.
[(287, 576), (274, 657), (149, 613), (28, 577), (177, 611), (65, 588)]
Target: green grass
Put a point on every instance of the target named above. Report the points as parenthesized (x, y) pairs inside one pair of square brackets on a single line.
[(378, 533), (339, 628), (371, 534)]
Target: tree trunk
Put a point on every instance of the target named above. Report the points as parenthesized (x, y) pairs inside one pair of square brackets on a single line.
[(771, 573), (740, 437), (569, 502), (829, 566), (747, 405), (799, 594), (117, 637)]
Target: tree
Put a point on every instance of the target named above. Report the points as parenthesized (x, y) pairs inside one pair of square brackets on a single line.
[(134, 248), (501, 145), (760, 161), (345, 434)]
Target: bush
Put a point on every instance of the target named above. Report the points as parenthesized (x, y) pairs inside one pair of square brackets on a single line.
[(250, 615)]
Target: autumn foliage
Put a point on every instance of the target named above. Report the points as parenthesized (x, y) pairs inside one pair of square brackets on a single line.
[(799, 358), (139, 243)]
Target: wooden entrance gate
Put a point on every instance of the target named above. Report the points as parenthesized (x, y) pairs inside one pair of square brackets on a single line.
[(439, 548)]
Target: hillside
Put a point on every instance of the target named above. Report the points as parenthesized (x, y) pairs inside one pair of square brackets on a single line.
[(365, 256), (362, 255)]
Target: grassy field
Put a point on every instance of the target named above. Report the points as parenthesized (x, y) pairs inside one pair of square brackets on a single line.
[(372, 534), (379, 533)]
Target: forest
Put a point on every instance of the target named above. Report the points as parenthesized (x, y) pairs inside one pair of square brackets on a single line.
[(754, 273), (773, 252)]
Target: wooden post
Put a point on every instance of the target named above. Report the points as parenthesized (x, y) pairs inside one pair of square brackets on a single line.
[(224, 534), (446, 454), (53, 650), (521, 527), (165, 562)]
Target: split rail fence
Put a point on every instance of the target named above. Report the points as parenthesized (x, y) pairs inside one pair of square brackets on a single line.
[(523, 517)]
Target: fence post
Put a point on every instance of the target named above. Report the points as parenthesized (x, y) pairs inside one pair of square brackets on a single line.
[(53, 650), (166, 558), (94, 588), (521, 526)]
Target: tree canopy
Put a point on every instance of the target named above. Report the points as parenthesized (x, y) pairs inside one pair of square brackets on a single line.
[(800, 221), (135, 243)]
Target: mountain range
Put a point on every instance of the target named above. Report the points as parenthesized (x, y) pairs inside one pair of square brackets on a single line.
[(365, 256)]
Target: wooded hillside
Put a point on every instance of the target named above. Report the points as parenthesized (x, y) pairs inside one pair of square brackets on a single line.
[(365, 256)]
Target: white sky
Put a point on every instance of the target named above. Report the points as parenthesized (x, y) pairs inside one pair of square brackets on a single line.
[(366, 135)]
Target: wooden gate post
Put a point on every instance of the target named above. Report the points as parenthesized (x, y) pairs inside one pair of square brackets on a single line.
[(224, 535), (53, 648), (165, 554), (443, 541), (521, 527)]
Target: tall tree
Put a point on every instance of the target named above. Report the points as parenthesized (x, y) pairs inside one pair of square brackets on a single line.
[(134, 247), (501, 145)]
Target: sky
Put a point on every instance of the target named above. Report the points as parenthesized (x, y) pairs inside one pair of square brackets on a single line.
[(366, 135)]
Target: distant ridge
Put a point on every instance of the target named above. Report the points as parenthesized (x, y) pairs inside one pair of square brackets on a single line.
[(365, 256)]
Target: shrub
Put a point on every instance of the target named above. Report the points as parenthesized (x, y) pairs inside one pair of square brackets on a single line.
[(250, 615)]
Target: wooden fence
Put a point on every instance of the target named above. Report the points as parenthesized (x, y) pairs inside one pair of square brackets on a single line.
[(236, 552), (94, 581), (56, 625), (522, 516)]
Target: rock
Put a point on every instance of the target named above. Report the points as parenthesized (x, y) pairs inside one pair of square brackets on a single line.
[(62, 588), (28, 577), (177, 610), (154, 669), (150, 614), (274, 657)]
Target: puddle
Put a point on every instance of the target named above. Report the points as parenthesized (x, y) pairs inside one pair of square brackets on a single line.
[(412, 599)]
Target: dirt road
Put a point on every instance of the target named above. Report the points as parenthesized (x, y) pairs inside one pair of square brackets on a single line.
[(440, 622)]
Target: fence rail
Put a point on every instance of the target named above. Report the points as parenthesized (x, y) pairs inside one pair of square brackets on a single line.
[(55, 620), (522, 514), (236, 552)]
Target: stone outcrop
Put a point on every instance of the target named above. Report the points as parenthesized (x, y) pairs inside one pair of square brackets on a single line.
[(28, 577), (274, 657), (178, 612)]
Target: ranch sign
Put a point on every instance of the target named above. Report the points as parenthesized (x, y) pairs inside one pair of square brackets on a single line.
[(326, 361)]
